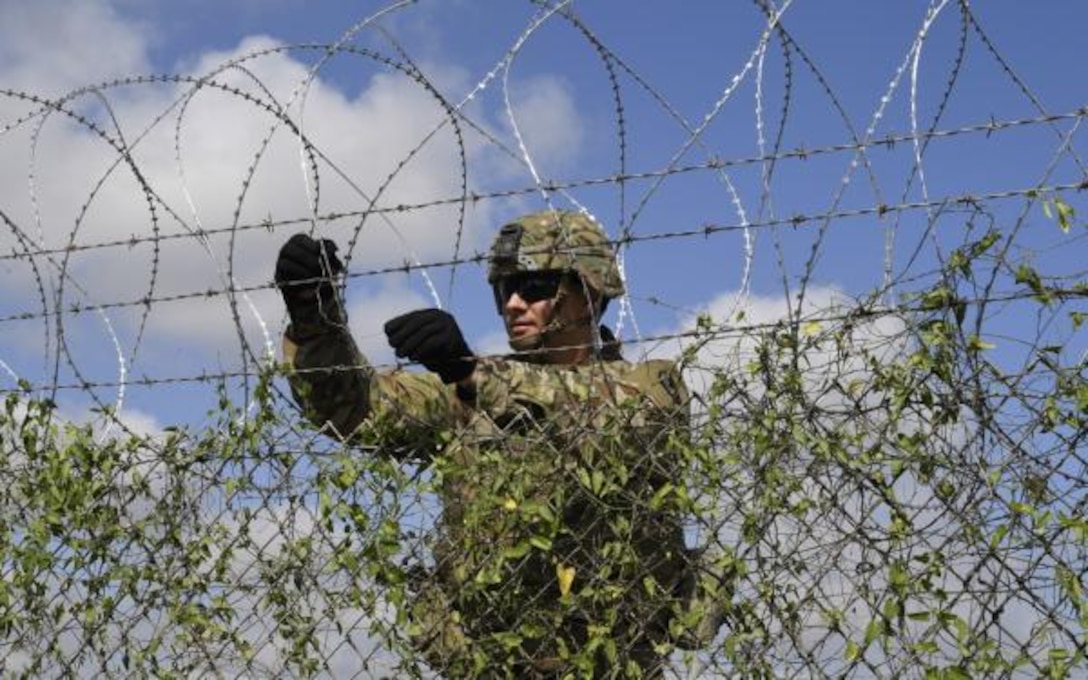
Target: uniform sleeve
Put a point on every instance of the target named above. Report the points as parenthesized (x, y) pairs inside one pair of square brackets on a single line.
[(341, 393)]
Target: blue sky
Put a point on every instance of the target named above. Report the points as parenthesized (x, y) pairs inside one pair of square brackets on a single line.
[(365, 118)]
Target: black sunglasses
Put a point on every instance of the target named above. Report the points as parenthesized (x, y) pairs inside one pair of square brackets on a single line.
[(530, 286)]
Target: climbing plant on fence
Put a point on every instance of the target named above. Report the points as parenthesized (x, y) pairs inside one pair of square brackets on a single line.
[(882, 490), (880, 321)]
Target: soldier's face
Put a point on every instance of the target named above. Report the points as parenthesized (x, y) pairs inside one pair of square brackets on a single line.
[(525, 318)]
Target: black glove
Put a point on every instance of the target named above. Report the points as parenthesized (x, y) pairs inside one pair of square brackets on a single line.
[(306, 270), (433, 338)]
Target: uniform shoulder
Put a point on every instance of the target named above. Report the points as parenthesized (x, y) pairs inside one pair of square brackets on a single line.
[(652, 368), (660, 379), (659, 365)]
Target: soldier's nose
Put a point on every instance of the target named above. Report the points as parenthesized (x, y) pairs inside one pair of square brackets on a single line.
[(515, 304)]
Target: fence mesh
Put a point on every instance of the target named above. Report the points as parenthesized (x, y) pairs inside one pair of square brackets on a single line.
[(883, 474)]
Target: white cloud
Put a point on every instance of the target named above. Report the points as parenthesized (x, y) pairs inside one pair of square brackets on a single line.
[(367, 314), (137, 423), (545, 115), (54, 46), (193, 148), (737, 322)]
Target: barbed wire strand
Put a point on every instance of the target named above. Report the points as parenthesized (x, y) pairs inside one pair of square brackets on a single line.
[(273, 493)]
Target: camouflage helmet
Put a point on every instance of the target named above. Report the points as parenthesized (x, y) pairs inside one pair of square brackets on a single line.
[(556, 240)]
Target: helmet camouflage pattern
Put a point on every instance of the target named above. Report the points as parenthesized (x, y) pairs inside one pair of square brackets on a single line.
[(556, 240)]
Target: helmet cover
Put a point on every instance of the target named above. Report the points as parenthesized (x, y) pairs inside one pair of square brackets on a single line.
[(556, 240)]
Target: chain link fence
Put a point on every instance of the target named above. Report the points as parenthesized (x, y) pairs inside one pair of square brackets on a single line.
[(875, 482)]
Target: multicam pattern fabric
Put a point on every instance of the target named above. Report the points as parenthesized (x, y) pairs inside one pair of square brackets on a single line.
[(557, 239), (549, 534)]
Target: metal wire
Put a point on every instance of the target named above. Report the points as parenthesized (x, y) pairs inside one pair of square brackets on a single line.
[(888, 477)]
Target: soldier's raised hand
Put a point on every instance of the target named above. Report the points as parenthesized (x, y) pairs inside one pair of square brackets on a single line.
[(306, 272), (433, 338)]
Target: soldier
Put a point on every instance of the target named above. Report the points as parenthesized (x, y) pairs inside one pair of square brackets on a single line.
[(559, 548)]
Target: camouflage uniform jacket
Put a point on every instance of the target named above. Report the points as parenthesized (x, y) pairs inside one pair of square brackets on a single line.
[(555, 485)]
